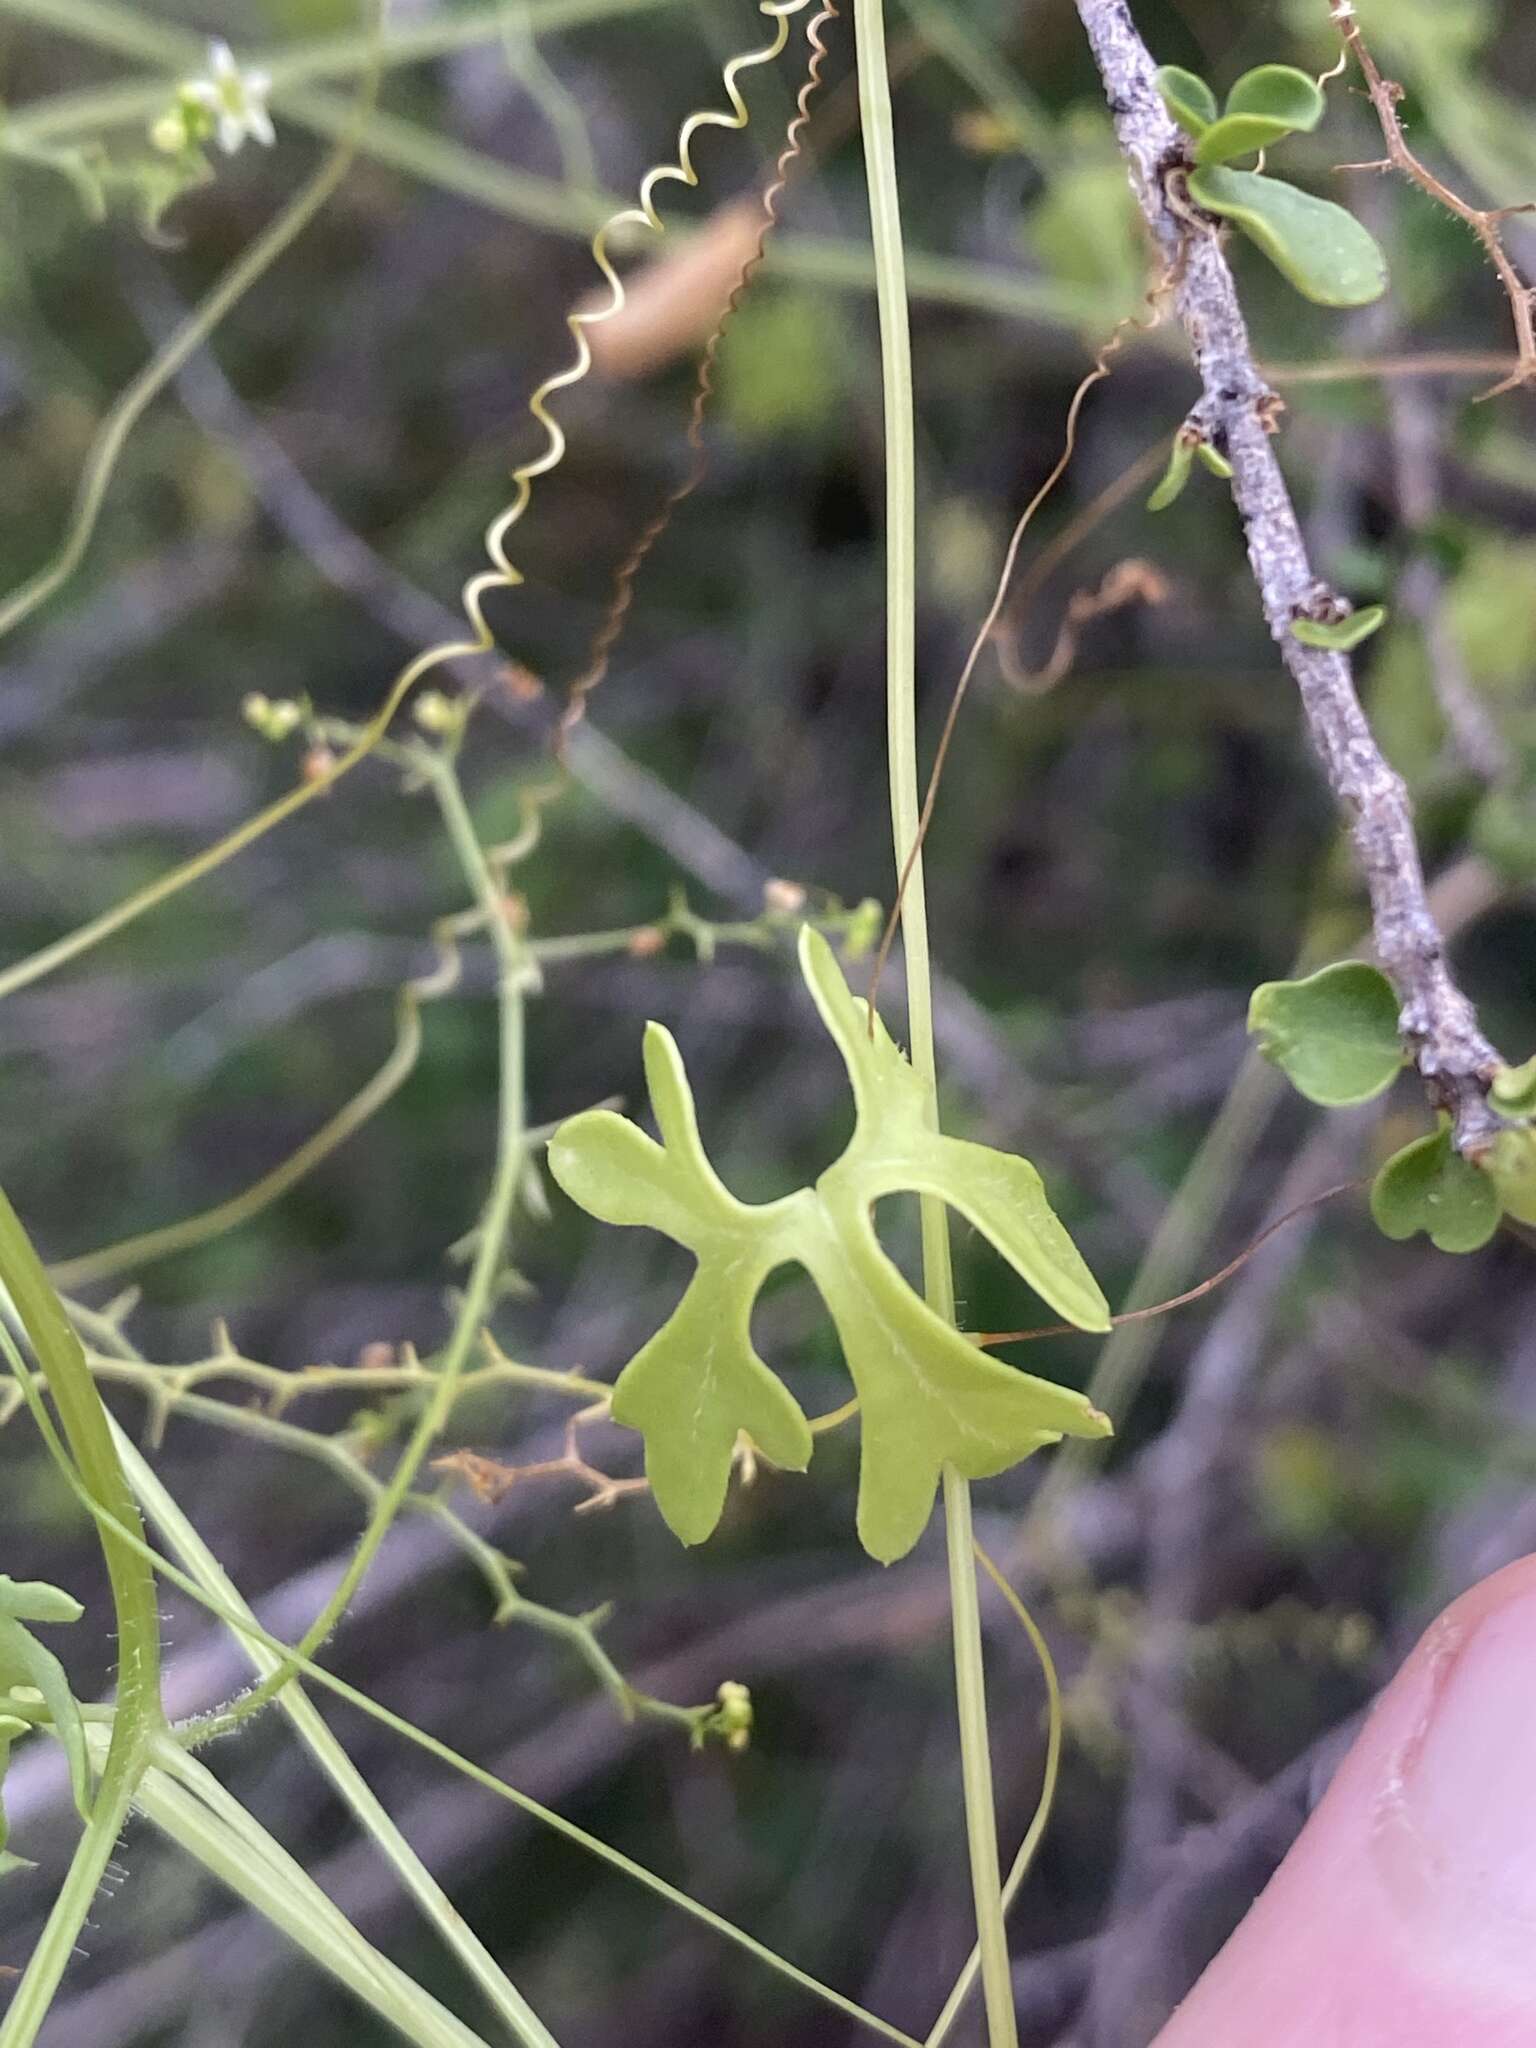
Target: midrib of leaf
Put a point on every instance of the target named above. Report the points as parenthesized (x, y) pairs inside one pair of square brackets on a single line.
[(901, 745)]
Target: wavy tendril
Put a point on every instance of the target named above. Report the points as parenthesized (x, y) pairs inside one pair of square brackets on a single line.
[(793, 155), (502, 574)]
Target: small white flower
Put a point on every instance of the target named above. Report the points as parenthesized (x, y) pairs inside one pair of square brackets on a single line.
[(235, 99)]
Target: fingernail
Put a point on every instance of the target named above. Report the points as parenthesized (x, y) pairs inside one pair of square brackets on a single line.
[(1456, 1834)]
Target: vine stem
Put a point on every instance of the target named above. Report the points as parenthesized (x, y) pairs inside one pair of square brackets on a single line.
[(901, 745), (516, 975), (94, 1464)]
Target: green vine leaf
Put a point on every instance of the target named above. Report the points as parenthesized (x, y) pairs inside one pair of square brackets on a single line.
[(1335, 1034), (1318, 247), (27, 1668), (928, 1397), (1428, 1186), (1341, 634), (1187, 97)]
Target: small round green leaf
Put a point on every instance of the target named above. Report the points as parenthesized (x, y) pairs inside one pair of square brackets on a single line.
[(1187, 97), (1174, 477), (1236, 135), (1512, 1169), (1428, 1186), (1335, 1034), (1322, 250), (1340, 635), (1514, 1089), (1278, 92)]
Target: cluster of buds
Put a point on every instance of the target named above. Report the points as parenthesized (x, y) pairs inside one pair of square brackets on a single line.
[(438, 714), (275, 718), (731, 1721)]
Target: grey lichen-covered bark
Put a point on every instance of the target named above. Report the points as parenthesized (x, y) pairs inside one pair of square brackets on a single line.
[(1237, 413)]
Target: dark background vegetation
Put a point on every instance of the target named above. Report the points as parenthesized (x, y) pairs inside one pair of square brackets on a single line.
[(1317, 1457)]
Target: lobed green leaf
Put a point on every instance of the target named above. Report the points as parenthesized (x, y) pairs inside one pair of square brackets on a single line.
[(928, 1397)]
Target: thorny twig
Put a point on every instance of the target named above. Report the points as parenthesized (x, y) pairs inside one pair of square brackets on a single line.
[(1439, 1024), (1484, 222)]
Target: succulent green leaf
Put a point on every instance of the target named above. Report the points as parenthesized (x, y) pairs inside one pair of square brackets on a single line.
[(1236, 135), (26, 1664), (1187, 97), (1175, 476), (1278, 92), (1320, 248), (1512, 1169), (1514, 1089), (1428, 1186), (1335, 1034), (927, 1395), (1214, 460), (1341, 634)]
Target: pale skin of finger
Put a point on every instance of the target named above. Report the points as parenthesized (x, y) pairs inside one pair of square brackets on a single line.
[(1405, 1914)]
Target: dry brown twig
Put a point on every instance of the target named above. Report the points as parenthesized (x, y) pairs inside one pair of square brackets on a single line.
[(1484, 221), (1133, 581), (490, 1480)]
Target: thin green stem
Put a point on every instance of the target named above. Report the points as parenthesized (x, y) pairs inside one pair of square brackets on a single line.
[(901, 743), (72, 1903), (333, 1760), (237, 1617), (88, 1458), (1034, 1834), (184, 1799), (191, 1231), (91, 1464), (517, 974)]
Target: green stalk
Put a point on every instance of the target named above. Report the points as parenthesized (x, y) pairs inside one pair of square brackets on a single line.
[(93, 1464), (189, 1805), (901, 743), (239, 1619), (310, 1726), (516, 974)]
